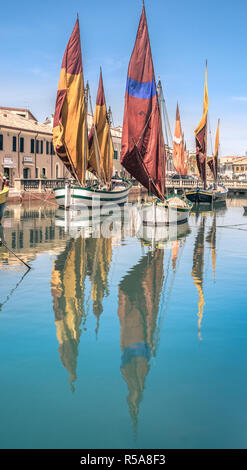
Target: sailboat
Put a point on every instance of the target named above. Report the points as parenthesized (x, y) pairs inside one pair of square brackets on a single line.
[(78, 151), (3, 200), (216, 192), (143, 151)]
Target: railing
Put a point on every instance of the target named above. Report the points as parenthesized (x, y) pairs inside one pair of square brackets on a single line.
[(184, 183), (41, 185), (37, 184)]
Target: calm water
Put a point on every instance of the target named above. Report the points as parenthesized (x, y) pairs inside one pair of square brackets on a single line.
[(121, 343)]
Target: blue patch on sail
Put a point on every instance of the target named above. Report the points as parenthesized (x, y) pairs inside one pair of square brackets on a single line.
[(140, 90), (136, 350)]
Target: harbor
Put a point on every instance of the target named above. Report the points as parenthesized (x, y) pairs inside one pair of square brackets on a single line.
[(107, 354), (123, 223)]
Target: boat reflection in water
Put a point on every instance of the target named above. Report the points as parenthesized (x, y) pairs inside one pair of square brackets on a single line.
[(199, 256), (83, 259), (144, 294), (139, 299), (87, 258)]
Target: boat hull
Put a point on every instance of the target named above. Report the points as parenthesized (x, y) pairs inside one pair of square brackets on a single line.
[(206, 196), (80, 198), (161, 236), (160, 214), (3, 200)]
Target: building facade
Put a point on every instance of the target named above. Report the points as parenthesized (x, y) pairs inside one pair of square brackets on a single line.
[(26, 149)]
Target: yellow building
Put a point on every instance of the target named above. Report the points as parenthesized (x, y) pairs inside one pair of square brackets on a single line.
[(240, 166), (26, 149)]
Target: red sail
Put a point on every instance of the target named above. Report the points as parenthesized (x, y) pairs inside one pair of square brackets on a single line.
[(143, 151)]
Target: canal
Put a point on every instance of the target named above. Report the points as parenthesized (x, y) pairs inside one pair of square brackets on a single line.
[(123, 341)]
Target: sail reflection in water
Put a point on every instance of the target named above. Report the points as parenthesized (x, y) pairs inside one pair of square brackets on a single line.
[(83, 258), (198, 260), (139, 299)]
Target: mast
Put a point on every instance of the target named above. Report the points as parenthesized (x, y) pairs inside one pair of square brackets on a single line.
[(95, 141), (109, 147), (213, 162), (201, 137), (85, 136), (159, 94)]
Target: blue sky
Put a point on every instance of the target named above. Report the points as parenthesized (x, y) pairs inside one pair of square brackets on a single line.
[(183, 34)]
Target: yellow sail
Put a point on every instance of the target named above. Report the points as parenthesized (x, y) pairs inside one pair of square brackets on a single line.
[(70, 137), (100, 141), (203, 120)]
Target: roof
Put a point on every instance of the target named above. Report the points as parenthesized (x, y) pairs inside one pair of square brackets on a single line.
[(10, 120), (21, 110), (240, 161)]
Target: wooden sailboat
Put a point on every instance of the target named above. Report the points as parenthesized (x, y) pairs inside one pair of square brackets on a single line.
[(70, 137), (3, 200), (143, 150), (216, 192)]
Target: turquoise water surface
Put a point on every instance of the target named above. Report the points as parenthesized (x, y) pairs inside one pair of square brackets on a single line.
[(123, 342)]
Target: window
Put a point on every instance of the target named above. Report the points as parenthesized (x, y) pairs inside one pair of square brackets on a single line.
[(115, 156), (32, 146), (52, 149), (41, 146), (14, 144), (22, 144), (25, 173), (237, 168), (47, 148), (37, 146), (43, 173), (21, 239), (1, 141), (242, 168), (36, 172), (57, 170), (13, 239)]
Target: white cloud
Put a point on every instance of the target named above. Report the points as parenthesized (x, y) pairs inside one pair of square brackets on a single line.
[(239, 98)]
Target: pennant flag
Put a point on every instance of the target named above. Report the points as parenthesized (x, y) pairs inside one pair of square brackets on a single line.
[(143, 150), (70, 118), (201, 135), (213, 162), (100, 160)]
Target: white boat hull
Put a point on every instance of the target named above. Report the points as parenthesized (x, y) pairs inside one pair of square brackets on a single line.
[(160, 214), (78, 198)]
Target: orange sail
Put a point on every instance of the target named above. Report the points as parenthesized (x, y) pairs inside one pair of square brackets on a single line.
[(101, 164), (70, 118), (213, 162), (179, 152)]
